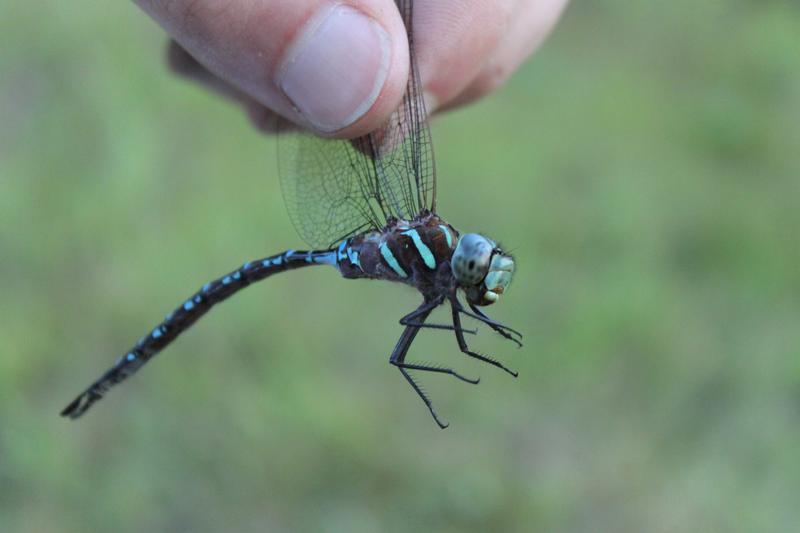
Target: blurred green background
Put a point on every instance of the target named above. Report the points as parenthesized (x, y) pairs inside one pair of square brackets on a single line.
[(643, 168)]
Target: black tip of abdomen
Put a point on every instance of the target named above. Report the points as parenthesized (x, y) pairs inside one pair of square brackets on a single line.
[(79, 405)]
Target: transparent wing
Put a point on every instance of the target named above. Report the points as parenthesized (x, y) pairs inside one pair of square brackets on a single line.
[(336, 188)]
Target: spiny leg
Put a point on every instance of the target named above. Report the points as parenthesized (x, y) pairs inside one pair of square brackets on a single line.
[(439, 370), (398, 359), (462, 344), (498, 327), (423, 311), (411, 319), (424, 397), (484, 318)]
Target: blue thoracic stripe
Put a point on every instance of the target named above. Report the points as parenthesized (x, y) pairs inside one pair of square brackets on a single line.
[(422, 248), (352, 255), (388, 256), (447, 234), (340, 254)]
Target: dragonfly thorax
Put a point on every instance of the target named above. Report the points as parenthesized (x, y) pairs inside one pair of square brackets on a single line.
[(481, 268)]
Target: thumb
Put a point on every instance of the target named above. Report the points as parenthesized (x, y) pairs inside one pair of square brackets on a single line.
[(337, 68)]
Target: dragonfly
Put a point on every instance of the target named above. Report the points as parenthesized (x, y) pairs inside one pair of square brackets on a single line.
[(366, 207)]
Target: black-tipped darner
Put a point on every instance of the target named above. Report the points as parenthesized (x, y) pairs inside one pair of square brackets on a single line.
[(374, 198)]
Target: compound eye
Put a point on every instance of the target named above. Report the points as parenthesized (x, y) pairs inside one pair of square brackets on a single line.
[(471, 258)]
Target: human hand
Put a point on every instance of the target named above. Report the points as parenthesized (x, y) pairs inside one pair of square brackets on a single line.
[(340, 67)]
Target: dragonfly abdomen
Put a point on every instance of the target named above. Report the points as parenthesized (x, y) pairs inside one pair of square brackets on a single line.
[(188, 313)]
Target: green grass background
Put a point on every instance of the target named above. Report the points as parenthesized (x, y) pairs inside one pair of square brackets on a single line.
[(643, 167)]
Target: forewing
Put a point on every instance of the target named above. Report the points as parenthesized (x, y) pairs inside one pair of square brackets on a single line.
[(336, 188)]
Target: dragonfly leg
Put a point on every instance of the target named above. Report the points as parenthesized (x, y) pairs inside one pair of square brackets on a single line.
[(398, 358), (412, 319), (503, 330), (438, 369), (462, 344), (421, 394), (399, 355)]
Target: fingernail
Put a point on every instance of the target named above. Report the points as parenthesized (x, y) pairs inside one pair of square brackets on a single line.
[(336, 68)]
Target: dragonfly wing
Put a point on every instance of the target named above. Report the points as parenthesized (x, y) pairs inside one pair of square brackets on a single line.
[(336, 188)]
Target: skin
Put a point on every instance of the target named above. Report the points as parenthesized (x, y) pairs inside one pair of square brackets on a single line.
[(465, 48)]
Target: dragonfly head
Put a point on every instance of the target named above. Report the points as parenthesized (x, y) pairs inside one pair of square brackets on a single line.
[(481, 268)]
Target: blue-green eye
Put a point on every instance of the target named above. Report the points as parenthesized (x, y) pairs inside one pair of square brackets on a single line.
[(481, 269), (471, 258)]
